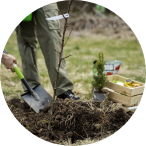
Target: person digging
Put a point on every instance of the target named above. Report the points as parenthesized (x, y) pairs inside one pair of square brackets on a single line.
[(27, 34)]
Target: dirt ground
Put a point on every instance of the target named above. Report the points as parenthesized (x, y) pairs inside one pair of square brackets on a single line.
[(72, 120), (78, 120)]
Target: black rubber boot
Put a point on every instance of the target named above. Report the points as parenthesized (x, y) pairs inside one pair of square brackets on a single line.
[(68, 94)]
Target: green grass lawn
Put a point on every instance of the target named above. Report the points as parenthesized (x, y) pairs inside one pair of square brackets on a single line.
[(84, 51)]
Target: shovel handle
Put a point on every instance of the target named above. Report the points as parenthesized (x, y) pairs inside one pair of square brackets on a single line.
[(16, 69), (5, 52), (20, 75)]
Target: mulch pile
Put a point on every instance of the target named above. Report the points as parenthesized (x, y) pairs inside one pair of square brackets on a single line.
[(74, 120)]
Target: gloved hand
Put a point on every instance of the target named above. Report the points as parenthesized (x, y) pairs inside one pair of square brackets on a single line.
[(8, 60)]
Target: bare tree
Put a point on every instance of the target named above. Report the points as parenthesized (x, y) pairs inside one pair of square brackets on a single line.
[(60, 52)]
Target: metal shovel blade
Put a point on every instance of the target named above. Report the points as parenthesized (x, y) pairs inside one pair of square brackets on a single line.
[(45, 98)]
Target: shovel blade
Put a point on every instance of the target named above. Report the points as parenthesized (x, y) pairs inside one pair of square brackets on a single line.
[(45, 98)]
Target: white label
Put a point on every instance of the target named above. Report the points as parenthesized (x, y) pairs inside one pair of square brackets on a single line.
[(109, 67), (58, 17)]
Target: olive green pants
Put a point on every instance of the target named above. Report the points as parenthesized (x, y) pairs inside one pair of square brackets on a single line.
[(27, 35)]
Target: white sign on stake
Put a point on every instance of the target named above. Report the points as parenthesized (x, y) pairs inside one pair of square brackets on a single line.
[(58, 17)]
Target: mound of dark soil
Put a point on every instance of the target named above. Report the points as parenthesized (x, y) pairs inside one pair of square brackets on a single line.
[(75, 120)]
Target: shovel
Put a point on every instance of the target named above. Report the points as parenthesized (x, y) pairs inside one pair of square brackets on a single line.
[(37, 98)]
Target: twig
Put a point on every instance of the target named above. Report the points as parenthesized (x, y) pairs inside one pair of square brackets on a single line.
[(55, 69), (85, 132), (107, 110), (68, 36), (84, 7), (70, 118), (49, 43), (70, 2), (71, 107), (78, 134), (91, 107), (61, 11), (65, 57)]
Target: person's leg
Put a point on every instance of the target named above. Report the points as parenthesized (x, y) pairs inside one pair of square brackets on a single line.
[(51, 30), (27, 44)]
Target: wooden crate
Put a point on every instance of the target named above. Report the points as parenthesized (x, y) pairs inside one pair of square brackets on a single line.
[(125, 100), (129, 96), (123, 89)]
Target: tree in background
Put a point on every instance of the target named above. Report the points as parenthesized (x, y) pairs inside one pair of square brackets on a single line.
[(83, 6), (77, 5)]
